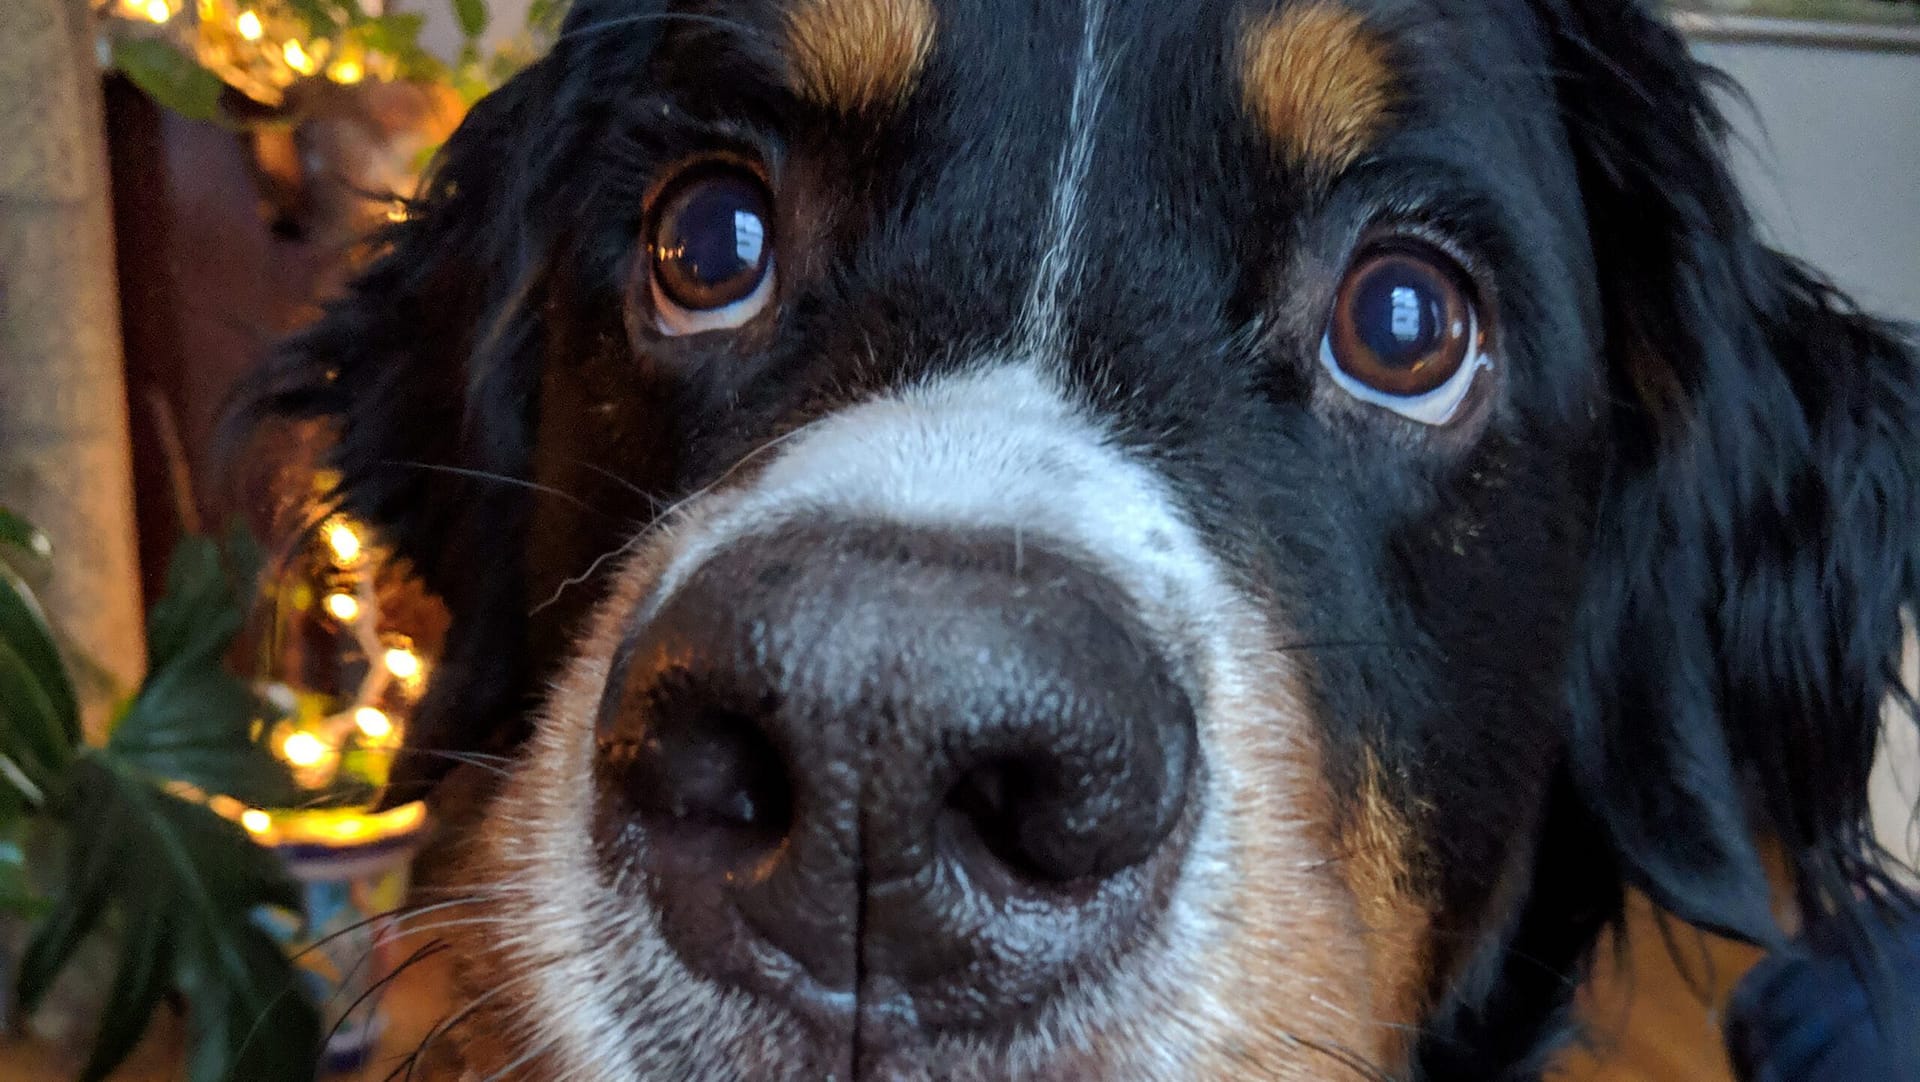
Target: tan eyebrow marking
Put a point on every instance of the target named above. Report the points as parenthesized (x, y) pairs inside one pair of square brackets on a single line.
[(858, 55), (1318, 82)]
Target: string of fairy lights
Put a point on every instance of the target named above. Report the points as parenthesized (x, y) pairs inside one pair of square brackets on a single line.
[(395, 672), (330, 734), (262, 47)]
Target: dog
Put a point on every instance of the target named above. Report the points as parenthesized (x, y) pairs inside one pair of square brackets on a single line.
[(1110, 539)]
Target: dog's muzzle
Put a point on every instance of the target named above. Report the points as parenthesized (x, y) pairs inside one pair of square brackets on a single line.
[(898, 779)]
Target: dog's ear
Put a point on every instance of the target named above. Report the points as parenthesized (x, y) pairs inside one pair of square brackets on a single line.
[(425, 367), (428, 366), (1759, 535)]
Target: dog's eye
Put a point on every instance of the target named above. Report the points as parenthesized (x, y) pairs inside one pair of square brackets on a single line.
[(711, 247), (1404, 333)]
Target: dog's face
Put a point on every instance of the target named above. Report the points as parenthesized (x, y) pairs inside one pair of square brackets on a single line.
[(1109, 539)]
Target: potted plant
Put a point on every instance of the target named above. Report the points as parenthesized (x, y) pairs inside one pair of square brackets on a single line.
[(127, 837)]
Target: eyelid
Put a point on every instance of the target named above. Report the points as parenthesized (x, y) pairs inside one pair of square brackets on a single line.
[(675, 321), (1434, 408)]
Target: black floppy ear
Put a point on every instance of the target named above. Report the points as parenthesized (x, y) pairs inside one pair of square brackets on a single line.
[(1759, 537), (424, 365), (428, 365)]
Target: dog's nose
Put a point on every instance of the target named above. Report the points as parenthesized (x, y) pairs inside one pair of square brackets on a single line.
[(933, 776)]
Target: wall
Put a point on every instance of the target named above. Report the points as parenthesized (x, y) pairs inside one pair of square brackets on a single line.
[(1832, 160)]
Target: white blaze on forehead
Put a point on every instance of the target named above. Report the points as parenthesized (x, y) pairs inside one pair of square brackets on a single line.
[(1041, 321)]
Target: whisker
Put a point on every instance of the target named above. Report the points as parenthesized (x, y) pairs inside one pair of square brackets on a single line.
[(465, 758), (291, 985), (445, 1025), (661, 16), (503, 479), (1364, 1020), (737, 466), (481, 755), (672, 509), (1344, 1056), (375, 988), (652, 500), (294, 982), (398, 914), (592, 569), (457, 922)]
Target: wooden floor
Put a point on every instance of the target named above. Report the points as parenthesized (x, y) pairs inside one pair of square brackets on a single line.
[(1656, 1018), (416, 1001)]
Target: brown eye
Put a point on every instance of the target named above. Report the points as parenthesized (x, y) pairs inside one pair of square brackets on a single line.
[(711, 247), (1403, 333)]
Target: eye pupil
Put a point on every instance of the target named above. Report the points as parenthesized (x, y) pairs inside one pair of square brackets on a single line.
[(711, 244), (1399, 313)]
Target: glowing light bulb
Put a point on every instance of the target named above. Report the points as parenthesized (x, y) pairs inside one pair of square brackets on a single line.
[(374, 722), (396, 211), (256, 820), (158, 11), (343, 607), (303, 749), (299, 60), (403, 663), (340, 537), (346, 72), (249, 26)]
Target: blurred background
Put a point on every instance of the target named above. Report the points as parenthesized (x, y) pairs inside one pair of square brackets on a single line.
[(182, 181)]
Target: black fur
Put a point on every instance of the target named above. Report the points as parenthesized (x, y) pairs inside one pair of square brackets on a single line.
[(1640, 628)]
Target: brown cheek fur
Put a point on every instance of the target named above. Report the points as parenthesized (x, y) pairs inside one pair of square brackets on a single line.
[(1320, 964), (1380, 854), (858, 55), (1318, 83)]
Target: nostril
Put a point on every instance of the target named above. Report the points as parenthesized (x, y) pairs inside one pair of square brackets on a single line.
[(987, 800), (704, 770), (1039, 821)]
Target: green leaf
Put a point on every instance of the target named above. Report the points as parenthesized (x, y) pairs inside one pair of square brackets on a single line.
[(545, 16), (272, 1027), (394, 33), (17, 895), (198, 615), (470, 87), (192, 720), (187, 884), (19, 533), (169, 77), (23, 626), (195, 723), (321, 20), (139, 985), (82, 898), (32, 733), (244, 558), (397, 35), (473, 16)]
